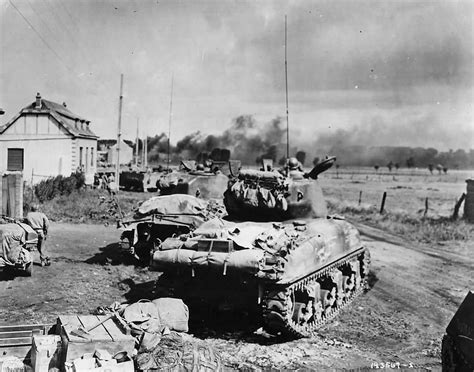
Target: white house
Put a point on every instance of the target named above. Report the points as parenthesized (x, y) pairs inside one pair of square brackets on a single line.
[(46, 139), (108, 148)]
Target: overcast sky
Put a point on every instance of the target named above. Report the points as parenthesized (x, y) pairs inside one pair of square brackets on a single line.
[(401, 68)]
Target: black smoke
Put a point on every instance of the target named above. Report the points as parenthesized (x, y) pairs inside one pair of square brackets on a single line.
[(246, 139)]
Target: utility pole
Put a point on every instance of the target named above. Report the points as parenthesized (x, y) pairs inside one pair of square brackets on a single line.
[(169, 122), (286, 86), (119, 133), (145, 155), (136, 145)]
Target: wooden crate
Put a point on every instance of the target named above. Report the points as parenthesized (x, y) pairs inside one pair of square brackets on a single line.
[(16, 340), (108, 336)]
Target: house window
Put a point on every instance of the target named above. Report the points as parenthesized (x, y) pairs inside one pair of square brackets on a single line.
[(92, 157), (87, 159), (15, 160), (80, 156)]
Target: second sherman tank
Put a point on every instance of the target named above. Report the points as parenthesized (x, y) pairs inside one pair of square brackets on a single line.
[(278, 251)]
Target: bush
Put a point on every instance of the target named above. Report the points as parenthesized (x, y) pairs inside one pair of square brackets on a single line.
[(57, 186)]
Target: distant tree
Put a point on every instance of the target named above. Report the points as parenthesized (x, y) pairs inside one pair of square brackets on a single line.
[(410, 162), (439, 168), (390, 166), (430, 168), (397, 166), (301, 157), (445, 170), (376, 167)]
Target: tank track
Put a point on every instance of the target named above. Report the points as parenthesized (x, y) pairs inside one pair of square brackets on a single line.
[(300, 308)]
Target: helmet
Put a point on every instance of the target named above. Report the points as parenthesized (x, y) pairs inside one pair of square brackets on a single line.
[(293, 163)]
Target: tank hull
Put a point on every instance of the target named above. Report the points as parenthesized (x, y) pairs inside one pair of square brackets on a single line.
[(298, 274)]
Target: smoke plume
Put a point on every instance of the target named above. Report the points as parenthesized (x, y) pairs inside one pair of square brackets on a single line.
[(247, 140)]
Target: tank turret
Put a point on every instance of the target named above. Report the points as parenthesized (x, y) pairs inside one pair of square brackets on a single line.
[(277, 195)]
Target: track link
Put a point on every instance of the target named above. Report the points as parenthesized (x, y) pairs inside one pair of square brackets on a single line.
[(300, 308)]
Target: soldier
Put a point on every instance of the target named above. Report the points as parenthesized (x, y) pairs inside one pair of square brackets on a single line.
[(295, 168), (39, 222)]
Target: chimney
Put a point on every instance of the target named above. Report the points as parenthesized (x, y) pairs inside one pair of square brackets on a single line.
[(64, 104), (38, 101)]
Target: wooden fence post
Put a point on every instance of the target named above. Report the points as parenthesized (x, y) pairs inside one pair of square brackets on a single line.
[(426, 207), (457, 206), (360, 197), (382, 206)]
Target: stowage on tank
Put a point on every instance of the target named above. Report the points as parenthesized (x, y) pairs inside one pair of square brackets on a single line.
[(277, 250), (161, 217)]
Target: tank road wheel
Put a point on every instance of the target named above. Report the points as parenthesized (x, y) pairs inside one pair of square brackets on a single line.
[(350, 279), (328, 299), (299, 313), (332, 295)]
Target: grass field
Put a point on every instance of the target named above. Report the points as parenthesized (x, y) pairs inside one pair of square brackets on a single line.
[(406, 189), (408, 193)]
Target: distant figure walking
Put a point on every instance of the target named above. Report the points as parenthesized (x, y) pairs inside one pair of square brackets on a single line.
[(112, 186), (40, 223)]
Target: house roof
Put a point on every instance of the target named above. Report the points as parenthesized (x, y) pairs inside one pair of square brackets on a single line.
[(112, 142), (72, 123)]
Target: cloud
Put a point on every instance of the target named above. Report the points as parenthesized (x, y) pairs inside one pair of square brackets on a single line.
[(349, 63)]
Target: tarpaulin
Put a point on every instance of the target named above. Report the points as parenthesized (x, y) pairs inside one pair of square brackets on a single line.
[(173, 204), (13, 237), (246, 260)]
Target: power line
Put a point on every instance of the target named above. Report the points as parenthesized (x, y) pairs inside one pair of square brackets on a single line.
[(41, 37), (40, 18), (70, 16), (57, 14), (62, 25)]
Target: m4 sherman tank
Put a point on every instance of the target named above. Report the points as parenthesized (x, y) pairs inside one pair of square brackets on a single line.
[(277, 249), (161, 217), (208, 182)]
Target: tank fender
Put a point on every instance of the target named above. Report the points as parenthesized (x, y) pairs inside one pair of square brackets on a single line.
[(327, 241)]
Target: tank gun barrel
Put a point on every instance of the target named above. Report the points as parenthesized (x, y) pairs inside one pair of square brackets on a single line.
[(321, 167)]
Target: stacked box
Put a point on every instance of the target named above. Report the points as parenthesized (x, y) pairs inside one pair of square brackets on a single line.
[(107, 336), (45, 352)]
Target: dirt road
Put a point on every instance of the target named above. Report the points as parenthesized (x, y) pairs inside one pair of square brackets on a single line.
[(401, 319)]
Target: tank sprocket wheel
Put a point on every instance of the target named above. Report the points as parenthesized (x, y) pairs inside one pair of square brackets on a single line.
[(295, 311)]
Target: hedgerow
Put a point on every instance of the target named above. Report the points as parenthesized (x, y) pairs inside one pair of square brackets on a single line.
[(58, 186)]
